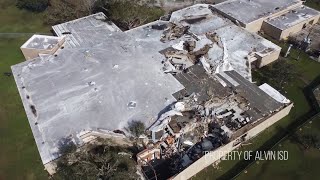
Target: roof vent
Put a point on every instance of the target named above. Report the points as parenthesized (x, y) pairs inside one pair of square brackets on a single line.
[(132, 104)]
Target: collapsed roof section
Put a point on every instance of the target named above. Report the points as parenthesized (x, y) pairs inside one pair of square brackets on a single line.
[(214, 35), (105, 78), (212, 111), (226, 98)]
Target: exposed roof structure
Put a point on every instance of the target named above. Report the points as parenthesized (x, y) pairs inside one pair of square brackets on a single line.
[(257, 98), (200, 83), (105, 78), (293, 17), (247, 11), (203, 22), (209, 115)]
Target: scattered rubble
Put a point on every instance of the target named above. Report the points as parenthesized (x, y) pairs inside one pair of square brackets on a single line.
[(174, 31), (194, 96)]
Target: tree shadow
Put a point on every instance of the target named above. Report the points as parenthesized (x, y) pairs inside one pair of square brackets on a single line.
[(66, 145)]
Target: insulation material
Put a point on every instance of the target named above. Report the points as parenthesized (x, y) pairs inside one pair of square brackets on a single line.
[(274, 93)]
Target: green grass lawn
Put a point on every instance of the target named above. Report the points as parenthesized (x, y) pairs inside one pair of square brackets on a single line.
[(19, 157), (301, 164)]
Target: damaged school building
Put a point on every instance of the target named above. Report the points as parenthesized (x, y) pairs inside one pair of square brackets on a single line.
[(187, 78)]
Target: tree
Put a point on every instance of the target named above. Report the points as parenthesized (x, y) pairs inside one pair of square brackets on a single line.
[(61, 11), (136, 128), (97, 161), (33, 5), (128, 14)]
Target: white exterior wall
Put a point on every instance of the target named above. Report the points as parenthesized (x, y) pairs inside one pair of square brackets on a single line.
[(254, 26), (263, 61)]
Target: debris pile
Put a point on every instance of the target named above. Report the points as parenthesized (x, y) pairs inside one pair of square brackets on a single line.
[(191, 127), (193, 49), (174, 31)]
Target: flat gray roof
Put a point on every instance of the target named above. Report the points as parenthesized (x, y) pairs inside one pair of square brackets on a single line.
[(293, 17), (103, 79), (247, 11), (94, 24), (94, 88)]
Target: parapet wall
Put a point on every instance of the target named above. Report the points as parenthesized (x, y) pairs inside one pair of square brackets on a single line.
[(256, 25), (263, 61), (43, 48), (298, 27), (178, 4), (214, 156)]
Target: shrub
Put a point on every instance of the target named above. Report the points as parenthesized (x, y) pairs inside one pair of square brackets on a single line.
[(136, 128), (33, 5), (129, 14), (61, 11), (95, 161)]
